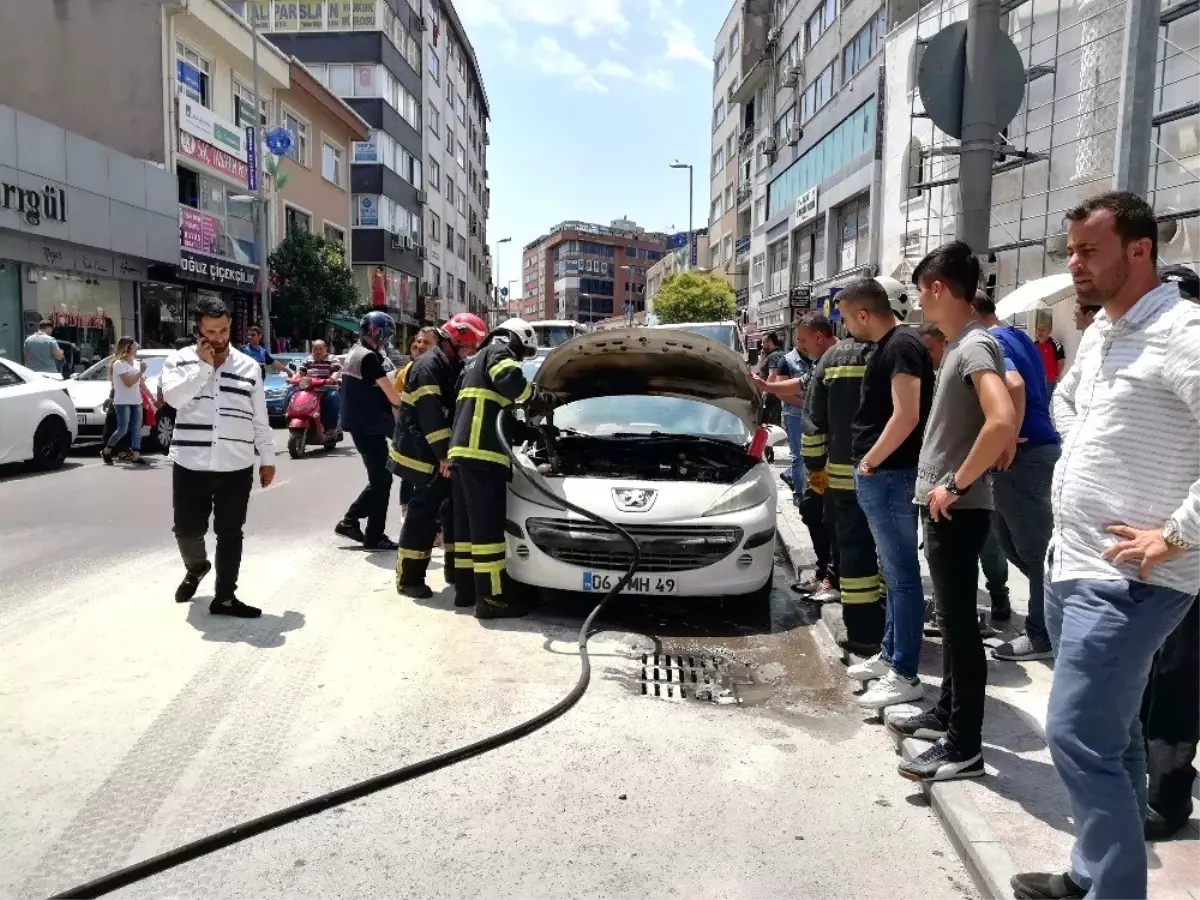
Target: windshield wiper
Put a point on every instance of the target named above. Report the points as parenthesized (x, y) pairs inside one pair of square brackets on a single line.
[(667, 436)]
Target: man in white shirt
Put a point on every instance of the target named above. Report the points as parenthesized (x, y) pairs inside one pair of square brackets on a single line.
[(1124, 558), (220, 427)]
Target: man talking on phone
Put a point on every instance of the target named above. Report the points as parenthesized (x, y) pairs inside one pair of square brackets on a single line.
[(220, 427)]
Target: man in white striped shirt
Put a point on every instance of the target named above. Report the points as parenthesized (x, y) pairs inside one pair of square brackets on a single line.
[(220, 427), (1123, 563)]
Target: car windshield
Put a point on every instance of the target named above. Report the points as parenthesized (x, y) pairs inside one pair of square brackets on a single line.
[(722, 334), (100, 371), (639, 414)]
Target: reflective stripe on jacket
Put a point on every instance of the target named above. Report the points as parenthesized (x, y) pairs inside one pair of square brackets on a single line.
[(833, 396), (422, 434), (492, 380)]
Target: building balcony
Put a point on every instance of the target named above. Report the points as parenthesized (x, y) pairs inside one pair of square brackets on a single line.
[(746, 138), (741, 250), (745, 193)]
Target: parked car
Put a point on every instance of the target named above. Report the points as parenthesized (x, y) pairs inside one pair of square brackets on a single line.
[(37, 417), (657, 431), (91, 389)]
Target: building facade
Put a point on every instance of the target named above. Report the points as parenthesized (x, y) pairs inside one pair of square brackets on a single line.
[(587, 272), (727, 250), (679, 248), (420, 179)]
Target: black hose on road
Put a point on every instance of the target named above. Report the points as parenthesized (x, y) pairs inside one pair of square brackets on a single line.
[(106, 884)]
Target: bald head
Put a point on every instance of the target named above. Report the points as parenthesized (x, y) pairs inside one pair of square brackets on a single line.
[(319, 350)]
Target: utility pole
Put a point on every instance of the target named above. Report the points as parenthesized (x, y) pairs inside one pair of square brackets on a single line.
[(261, 226), (1135, 113), (979, 131), (691, 241)]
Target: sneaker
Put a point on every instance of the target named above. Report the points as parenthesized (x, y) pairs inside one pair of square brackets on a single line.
[(1022, 648), (786, 477), (418, 591), (234, 607), (106, 455), (1043, 886), (942, 762), (827, 594), (875, 667), (496, 608), (351, 530), (191, 581), (810, 585), (890, 690), (924, 726), (383, 543)]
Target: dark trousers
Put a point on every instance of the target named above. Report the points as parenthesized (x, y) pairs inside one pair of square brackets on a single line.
[(195, 496), (952, 548), (858, 569), (372, 503), (812, 514), (428, 507), (480, 496), (1171, 719)]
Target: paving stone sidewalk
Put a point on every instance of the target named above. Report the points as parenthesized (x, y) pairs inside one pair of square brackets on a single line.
[(1016, 819)]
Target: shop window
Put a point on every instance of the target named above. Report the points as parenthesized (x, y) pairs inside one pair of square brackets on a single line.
[(192, 73), (219, 219), (82, 311)]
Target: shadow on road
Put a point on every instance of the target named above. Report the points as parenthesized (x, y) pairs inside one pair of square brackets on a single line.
[(21, 471), (267, 632)]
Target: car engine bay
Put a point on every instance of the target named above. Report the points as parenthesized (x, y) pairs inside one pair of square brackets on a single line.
[(649, 457)]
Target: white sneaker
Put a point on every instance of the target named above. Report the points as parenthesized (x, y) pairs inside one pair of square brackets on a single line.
[(827, 595), (890, 690), (875, 667)]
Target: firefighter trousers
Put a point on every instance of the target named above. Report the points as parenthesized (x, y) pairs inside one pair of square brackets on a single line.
[(480, 498), (429, 510), (858, 569)]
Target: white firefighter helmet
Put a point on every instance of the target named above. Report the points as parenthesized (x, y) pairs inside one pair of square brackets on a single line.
[(521, 334), (897, 295)]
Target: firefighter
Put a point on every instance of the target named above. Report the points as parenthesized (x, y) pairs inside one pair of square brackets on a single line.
[(492, 380), (829, 409), (418, 452)]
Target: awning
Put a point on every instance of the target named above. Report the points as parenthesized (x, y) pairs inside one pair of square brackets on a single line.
[(1040, 293), (346, 324)]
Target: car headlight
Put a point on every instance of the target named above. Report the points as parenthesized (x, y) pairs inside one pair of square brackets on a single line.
[(522, 487), (753, 490)]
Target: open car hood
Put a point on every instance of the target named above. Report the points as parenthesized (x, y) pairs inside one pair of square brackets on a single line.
[(657, 362)]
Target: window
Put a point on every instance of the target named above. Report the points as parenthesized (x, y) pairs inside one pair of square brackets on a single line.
[(449, 189), (462, 289), (914, 170), (850, 138), (787, 59), (435, 278), (299, 131), (230, 207), (433, 63), (817, 94), (296, 219), (863, 46), (735, 42), (192, 73), (435, 175), (854, 222), (435, 225), (335, 235), (719, 65), (777, 267), (449, 284), (409, 107), (818, 23), (450, 92), (243, 106), (718, 160), (757, 267), (460, 247), (331, 163), (716, 210), (449, 238), (784, 124), (461, 202), (435, 120), (449, 138), (460, 108), (729, 196), (368, 81), (460, 156), (8, 377), (718, 114)]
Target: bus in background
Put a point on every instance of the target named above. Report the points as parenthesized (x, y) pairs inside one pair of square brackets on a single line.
[(727, 333), (552, 332)]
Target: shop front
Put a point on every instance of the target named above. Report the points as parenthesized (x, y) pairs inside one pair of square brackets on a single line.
[(394, 292), (169, 298)]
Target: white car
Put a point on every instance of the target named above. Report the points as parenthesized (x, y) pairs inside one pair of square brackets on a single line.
[(655, 430), (37, 417), (91, 388)]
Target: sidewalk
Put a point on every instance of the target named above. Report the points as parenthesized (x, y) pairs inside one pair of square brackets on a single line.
[(1016, 819)]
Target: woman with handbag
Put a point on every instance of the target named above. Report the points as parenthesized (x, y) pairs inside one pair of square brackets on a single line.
[(128, 374)]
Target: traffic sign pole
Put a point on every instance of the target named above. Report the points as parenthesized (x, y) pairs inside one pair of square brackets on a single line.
[(979, 129)]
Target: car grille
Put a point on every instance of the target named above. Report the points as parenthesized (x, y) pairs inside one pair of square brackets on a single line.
[(665, 548)]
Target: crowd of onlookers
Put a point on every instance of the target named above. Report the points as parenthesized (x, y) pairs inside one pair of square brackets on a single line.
[(972, 441)]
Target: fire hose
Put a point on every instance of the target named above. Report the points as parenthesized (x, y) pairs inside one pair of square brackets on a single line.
[(227, 837)]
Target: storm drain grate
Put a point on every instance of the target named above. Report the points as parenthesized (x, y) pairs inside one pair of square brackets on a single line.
[(670, 676)]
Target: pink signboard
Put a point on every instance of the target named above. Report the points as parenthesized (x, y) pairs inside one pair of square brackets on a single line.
[(198, 231)]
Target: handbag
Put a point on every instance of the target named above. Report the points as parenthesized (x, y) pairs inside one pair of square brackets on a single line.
[(148, 418)]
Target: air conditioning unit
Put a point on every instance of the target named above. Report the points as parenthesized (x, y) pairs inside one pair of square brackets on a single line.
[(422, 198), (419, 23), (426, 289), (770, 145), (795, 133), (773, 35), (792, 74), (421, 252), (397, 241)]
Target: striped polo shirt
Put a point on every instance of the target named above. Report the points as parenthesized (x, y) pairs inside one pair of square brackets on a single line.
[(1128, 411)]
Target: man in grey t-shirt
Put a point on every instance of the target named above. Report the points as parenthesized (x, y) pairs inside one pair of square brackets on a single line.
[(971, 426), (42, 353)]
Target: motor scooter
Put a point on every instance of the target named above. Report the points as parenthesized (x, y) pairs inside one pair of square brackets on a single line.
[(305, 425)]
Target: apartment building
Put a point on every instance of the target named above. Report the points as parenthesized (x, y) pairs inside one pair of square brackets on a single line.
[(586, 272), (726, 248), (420, 179)]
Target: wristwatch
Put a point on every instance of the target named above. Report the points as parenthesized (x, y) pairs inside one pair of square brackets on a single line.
[(1170, 534), (951, 487), (865, 468)]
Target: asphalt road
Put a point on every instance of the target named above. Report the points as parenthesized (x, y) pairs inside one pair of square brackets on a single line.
[(131, 724)]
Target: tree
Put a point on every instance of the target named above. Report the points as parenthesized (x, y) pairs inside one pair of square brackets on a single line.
[(310, 282), (693, 297)]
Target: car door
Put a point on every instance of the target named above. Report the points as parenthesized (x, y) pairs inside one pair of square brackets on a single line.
[(16, 406)]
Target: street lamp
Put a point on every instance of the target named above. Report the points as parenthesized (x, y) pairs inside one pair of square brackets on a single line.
[(691, 234), (506, 240)]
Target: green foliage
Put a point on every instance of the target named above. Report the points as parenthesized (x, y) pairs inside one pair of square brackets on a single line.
[(693, 297), (310, 281)]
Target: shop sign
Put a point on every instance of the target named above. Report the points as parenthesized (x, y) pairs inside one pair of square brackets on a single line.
[(367, 151), (79, 320), (806, 207), (368, 211), (130, 269), (194, 267), (49, 203), (800, 297), (212, 158), (199, 231), (251, 159), (201, 122)]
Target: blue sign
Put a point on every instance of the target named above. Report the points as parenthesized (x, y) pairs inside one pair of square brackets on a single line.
[(251, 159), (279, 140), (188, 75)]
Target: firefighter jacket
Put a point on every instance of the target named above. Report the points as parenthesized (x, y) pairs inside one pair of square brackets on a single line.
[(422, 436), (491, 380), (834, 392)]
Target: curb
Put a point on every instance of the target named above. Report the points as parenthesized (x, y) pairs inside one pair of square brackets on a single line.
[(984, 856)]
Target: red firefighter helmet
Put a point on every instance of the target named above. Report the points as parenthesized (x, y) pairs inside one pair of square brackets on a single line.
[(464, 329)]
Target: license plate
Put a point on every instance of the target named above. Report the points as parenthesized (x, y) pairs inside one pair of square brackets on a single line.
[(641, 584)]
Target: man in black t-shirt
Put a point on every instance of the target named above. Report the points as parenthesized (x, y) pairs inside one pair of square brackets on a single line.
[(772, 345), (886, 433)]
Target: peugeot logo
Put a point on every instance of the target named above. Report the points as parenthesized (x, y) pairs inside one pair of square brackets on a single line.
[(634, 499)]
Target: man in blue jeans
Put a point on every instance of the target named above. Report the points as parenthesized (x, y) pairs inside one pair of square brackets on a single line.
[(1124, 558), (897, 390), (1021, 492)]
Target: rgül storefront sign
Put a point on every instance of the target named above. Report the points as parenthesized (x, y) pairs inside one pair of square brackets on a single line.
[(212, 157), (49, 203)]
